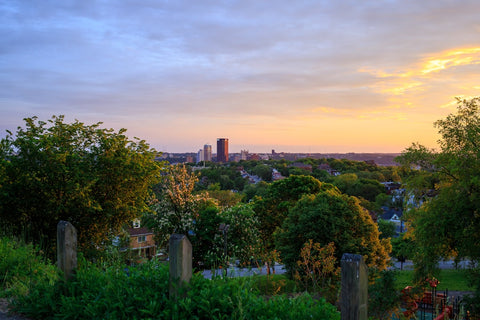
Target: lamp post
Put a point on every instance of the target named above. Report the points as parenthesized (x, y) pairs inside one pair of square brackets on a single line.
[(224, 229)]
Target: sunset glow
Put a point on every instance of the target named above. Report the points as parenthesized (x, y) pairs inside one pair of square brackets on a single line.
[(304, 76)]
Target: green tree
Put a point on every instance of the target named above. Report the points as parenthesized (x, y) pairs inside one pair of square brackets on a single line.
[(96, 178), (255, 189), (383, 298), (225, 198), (226, 176), (263, 171), (273, 208), (205, 237), (387, 229), (281, 195), (330, 216), (403, 248), (243, 234), (445, 221), (176, 207)]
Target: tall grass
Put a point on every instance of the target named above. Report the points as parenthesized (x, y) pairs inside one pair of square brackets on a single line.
[(22, 267)]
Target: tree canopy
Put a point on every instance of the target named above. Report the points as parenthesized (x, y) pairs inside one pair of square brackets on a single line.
[(330, 216), (272, 209), (96, 178), (446, 189)]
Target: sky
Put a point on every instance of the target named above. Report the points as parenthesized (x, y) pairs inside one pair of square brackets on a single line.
[(294, 76)]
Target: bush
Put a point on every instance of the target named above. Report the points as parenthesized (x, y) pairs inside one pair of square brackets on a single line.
[(141, 292), (237, 298), (317, 270), (105, 292), (384, 299), (22, 267)]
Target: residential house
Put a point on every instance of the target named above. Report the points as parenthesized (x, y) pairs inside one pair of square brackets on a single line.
[(330, 171), (304, 166), (142, 243), (394, 215)]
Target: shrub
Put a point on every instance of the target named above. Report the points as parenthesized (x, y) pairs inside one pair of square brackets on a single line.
[(317, 270), (384, 299), (141, 292), (101, 292), (22, 267)]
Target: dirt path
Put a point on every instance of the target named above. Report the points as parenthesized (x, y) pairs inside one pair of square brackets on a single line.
[(4, 312)]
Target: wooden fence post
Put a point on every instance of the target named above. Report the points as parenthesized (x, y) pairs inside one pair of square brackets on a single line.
[(180, 266), (66, 248), (354, 294)]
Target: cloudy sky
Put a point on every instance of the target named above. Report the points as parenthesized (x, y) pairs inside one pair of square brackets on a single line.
[(294, 76)]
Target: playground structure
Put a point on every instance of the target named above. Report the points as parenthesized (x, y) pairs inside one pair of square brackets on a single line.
[(430, 304)]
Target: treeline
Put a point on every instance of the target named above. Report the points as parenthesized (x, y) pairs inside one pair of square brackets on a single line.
[(100, 181), (355, 178)]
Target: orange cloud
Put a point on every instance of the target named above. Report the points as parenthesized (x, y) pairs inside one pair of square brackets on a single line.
[(414, 78)]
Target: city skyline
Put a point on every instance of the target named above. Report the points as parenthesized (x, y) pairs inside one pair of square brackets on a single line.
[(301, 77)]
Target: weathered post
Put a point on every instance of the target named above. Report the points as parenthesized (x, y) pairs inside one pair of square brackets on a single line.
[(180, 255), (66, 248), (354, 294)]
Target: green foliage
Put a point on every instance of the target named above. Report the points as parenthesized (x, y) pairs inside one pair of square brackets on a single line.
[(141, 292), (22, 267), (281, 195), (387, 228), (450, 279), (384, 299), (228, 177), (359, 187), (473, 300), (176, 207), (331, 216), (95, 178), (243, 234), (447, 190), (108, 292), (403, 248), (258, 189), (206, 239), (263, 171), (225, 198), (272, 209), (274, 284), (238, 299), (317, 270)]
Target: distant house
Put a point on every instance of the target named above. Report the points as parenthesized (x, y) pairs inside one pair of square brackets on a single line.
[(330, 171), (394, 215), (276, 175), (300, 165), (391, 186), (142, 243)]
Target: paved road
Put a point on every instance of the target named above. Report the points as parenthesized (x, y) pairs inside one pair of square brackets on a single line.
[(408, 265), (279, 269), (243, 272), (4, 312)]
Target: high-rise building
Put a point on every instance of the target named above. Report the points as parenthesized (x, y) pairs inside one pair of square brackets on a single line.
[(222, 150), (200, 155), (207, 152), (243, 154)]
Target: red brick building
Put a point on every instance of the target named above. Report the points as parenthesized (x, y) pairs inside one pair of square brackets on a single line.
[(142, 241)]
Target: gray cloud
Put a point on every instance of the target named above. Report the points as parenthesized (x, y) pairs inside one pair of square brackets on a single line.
[(248, 58)]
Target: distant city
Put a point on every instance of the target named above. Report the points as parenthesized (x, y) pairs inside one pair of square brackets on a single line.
[(223, 156)]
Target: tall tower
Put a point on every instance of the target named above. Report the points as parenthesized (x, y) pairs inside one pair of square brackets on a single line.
[(207, 152), (222, 150), (200, 155)]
